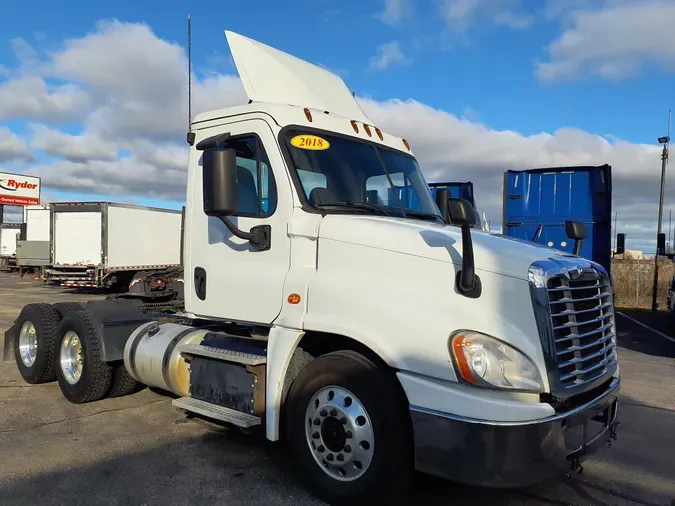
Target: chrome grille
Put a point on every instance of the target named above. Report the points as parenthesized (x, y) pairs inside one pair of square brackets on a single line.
[(582, 317)]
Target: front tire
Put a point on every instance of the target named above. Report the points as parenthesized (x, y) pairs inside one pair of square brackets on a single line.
[(35, 342), (349, 428), (82, 375)]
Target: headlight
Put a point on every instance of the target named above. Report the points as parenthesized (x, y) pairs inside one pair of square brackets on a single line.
[(484, 361)]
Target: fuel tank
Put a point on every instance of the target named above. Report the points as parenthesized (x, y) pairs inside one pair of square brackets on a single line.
[(151, 355)]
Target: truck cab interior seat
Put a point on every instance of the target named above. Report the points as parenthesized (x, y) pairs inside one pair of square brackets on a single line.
[(248, 193)]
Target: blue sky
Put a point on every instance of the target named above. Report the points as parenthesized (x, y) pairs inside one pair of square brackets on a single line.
[(487, 74), (486, 85)]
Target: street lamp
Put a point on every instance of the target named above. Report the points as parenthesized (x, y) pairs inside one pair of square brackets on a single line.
[(664, 160)]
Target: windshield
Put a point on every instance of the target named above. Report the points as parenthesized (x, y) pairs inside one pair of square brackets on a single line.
[(348, 175)]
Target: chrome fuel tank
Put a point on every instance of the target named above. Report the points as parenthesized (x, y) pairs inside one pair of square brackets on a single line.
[(151, 355)]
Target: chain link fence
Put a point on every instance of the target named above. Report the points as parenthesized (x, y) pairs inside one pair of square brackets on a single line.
[(634, 282)]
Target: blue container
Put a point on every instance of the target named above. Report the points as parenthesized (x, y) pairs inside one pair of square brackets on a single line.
[(538, 201), (456, 190)]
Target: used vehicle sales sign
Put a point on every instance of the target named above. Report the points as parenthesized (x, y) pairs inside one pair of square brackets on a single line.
[(19, 190)]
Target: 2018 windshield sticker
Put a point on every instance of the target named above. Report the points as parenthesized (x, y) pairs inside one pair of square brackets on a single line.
[(310, 142)]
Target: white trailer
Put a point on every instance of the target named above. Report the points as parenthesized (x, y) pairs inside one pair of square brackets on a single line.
[(331, 302), (33, 250), (38, 223), (97, 244), (9, 233)]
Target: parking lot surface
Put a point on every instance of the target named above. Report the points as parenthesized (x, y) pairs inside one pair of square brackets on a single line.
[(139, 450)]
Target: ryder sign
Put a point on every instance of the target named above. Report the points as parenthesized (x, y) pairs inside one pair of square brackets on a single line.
[(19, 190)]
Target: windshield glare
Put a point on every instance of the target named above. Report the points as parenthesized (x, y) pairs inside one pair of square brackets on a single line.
[(353, 173)]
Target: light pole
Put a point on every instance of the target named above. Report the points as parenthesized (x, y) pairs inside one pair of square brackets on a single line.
[(664, 160)]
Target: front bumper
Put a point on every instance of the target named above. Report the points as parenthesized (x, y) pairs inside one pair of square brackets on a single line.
[(512, 454)]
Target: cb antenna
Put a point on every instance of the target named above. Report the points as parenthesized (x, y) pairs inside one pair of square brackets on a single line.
[(190, 135)]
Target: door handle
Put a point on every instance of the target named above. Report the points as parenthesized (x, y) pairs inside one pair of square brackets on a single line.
[(200, 283)]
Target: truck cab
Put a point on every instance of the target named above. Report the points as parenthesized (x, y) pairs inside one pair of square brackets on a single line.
[(330, 262), (370, 327)]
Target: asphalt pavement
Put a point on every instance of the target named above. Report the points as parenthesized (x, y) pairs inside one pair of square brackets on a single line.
[(139, 450)]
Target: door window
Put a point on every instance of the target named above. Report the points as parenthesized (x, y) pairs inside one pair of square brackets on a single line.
[(256, 186)]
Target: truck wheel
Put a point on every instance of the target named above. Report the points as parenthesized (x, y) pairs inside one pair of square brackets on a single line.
[(64, 308), (82, 375), (349, 428), (123, 384), (35, 342)]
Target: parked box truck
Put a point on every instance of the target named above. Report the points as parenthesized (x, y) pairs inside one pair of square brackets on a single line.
[(38, 223), (98, 244), (537, 202), (33, 250), (373, 336), (9, 233)]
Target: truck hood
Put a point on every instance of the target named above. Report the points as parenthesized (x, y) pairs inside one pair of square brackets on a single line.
[(436, 241)]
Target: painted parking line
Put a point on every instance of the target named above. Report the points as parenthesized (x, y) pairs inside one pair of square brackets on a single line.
[(647, 327)]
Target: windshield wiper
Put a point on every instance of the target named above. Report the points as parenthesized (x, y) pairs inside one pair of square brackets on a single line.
[(357, 205), (423, 216)]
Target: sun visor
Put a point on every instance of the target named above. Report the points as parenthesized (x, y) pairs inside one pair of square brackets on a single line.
[(272, 76)]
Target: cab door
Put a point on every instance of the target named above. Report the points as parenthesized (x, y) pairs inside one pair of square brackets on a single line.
[(229, 278)]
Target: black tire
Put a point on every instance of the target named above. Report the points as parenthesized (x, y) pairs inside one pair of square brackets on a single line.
[(123, 383), (45, 319), (96, 377), (391, 467), (63, 308)]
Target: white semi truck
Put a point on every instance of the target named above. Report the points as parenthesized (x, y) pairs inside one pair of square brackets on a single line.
[(372, 334)]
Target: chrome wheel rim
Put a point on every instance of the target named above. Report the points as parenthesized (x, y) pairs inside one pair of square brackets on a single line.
[(28, 344), (71, 357), (339, 433)]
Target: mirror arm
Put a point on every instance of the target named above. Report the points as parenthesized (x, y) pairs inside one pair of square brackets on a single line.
[(260, 236), (468, 284), (578, 244)]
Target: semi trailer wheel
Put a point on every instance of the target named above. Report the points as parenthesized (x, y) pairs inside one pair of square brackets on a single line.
[(349, 428), (82, 375), (35, 342)]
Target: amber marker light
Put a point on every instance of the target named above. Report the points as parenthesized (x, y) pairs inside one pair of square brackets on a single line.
[(461, 346)]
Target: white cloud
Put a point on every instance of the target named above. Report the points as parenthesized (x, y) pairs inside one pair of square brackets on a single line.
[(12, 147), (76, 148), (614, 42), (30, 97), (452, 148), (122, 177), (395, 11), (132, 140), (462, 14), (387, 55)]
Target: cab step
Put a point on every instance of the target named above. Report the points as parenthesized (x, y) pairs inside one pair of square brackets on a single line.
[(227, 355), (238, 418)]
